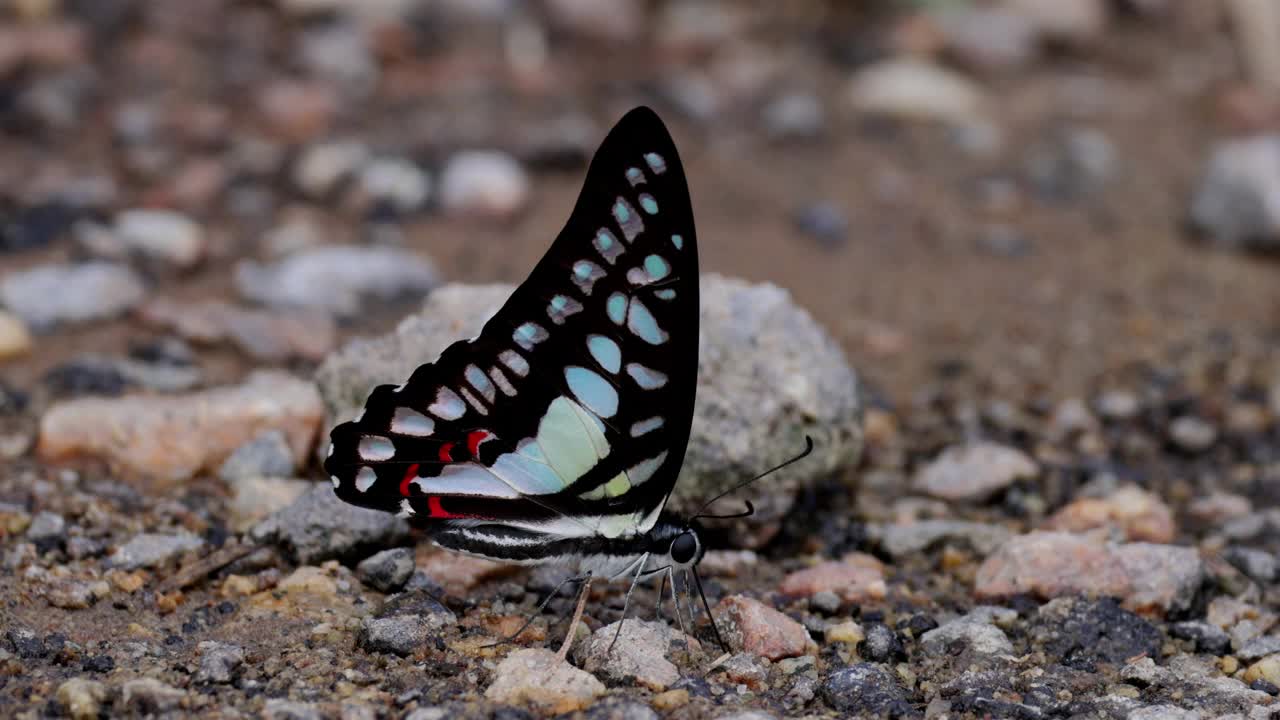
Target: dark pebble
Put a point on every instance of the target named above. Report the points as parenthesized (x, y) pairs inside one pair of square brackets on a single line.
[(866, 688), (99, 664), (1097, 631), (823, 222), (1208, 638), (920, 624), (33, 227), (1266, 686), (26, 644), (881, 645), (74, 379)]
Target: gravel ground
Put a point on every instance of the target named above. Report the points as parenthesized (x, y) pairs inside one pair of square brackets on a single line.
[(1010, 263)]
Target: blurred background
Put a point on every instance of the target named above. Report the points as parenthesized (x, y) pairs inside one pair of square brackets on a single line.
[(1049, 191)]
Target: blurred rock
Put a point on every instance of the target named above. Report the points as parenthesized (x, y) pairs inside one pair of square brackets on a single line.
[(614, 21), (857, 578), (880, 644), (751, 626), (1207, 638), (824, 222), (169, 439), (164, 235), (27, 227), (1078, 21), (396, 183), (218, 662), (49, 294), (1246, 110), (334, 278), (914, 89), (768, 376), (1237, 203), (256, 497), (906, 540), (866, 689), (267, 455), (82, 699), (281, 709), (537, 678), (1146, 577), (15, 339), (101, 375), (270, 335), (1259, 565), (794, 116), (149, 696), (988, 37), (1268, 668), (1259, 648), (318, 526), (1134, 513), (341, 53), (638, 657), (321, 167), (1081, 632), (1192, 434), (46, 530), (149, 550), (973, 473), (458, 573), (485, 183), (297, 112), (386, 571), (1072, 163), (1218, 507)]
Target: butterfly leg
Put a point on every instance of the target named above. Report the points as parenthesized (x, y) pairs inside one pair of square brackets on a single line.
[(541, 606), (577, 618), (675, 604), (626, 601)]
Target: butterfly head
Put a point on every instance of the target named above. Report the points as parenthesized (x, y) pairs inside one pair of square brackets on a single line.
[(685, 549)]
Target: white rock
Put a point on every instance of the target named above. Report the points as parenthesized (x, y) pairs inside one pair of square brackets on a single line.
[(14, 338), (333, 278), (48, 294), (398, 182), (320, 167), (915, 89), (484, 183), (161, 234)]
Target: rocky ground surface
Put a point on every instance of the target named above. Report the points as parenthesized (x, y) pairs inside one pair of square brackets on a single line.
[(1010, 263)]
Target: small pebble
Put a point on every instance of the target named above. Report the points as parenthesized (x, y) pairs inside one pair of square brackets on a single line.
[(487, 183), (387, 571)]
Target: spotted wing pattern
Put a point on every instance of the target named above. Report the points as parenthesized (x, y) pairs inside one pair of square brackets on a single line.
[(569, 414)]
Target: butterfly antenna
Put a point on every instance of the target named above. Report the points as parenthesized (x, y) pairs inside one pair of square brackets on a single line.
[(697, 582), (808, 448)]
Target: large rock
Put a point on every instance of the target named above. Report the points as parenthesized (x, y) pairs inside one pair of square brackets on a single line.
[(768, 375), (1237, 203), (1145, 576), (168, 439), (318, 526), (639, 655), (49, 294), (539, 679)]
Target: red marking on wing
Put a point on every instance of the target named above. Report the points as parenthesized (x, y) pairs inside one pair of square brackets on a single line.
[(409, 476), (435, 510), (474, 438), (445, 452)]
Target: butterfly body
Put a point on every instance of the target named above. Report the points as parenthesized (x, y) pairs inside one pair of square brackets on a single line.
[(556, 435)]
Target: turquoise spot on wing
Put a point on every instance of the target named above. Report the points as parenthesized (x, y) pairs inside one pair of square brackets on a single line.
[(644, 470), (607, 245), (592, 390), (656, 162), (374, 448), (665, 294), (645, 427), (528, 335), (646, 378), (621, 212), (582, 269), (649, 204), (616, 307), (645, 326), (606, 352), (657, 267), (635, 176), (678, 241)]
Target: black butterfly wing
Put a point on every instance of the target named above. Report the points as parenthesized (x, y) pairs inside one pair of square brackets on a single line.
[(570, 413)]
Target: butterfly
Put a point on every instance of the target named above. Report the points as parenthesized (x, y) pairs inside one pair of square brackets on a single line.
[(556, 435)]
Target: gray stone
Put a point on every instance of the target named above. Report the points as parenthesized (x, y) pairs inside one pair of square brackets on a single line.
[(404, 623), (977, 635), (768, 376), (161, 234), (1258, 648), (386, 571), (46, 527), (1144, 672), (973, 472), (1073, 163), (865, 688), (318, 526), (1192, 434), (486, 183), (218, 662), (639, 655), (320, 167), (881, 644), (911, 539), (82, 699), (1163, 712), (1237, 203), (278, 709), (334, 278), (396, 182), (915, 89), (1208, 638), (267, 455), (1257, 564), (151, 549), (148, 696), (794, 116), (46, 295)]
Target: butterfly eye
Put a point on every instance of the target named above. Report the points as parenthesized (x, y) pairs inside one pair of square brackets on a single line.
[(684, 548)]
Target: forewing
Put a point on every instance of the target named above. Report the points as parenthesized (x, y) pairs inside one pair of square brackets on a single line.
[(570, 412)]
